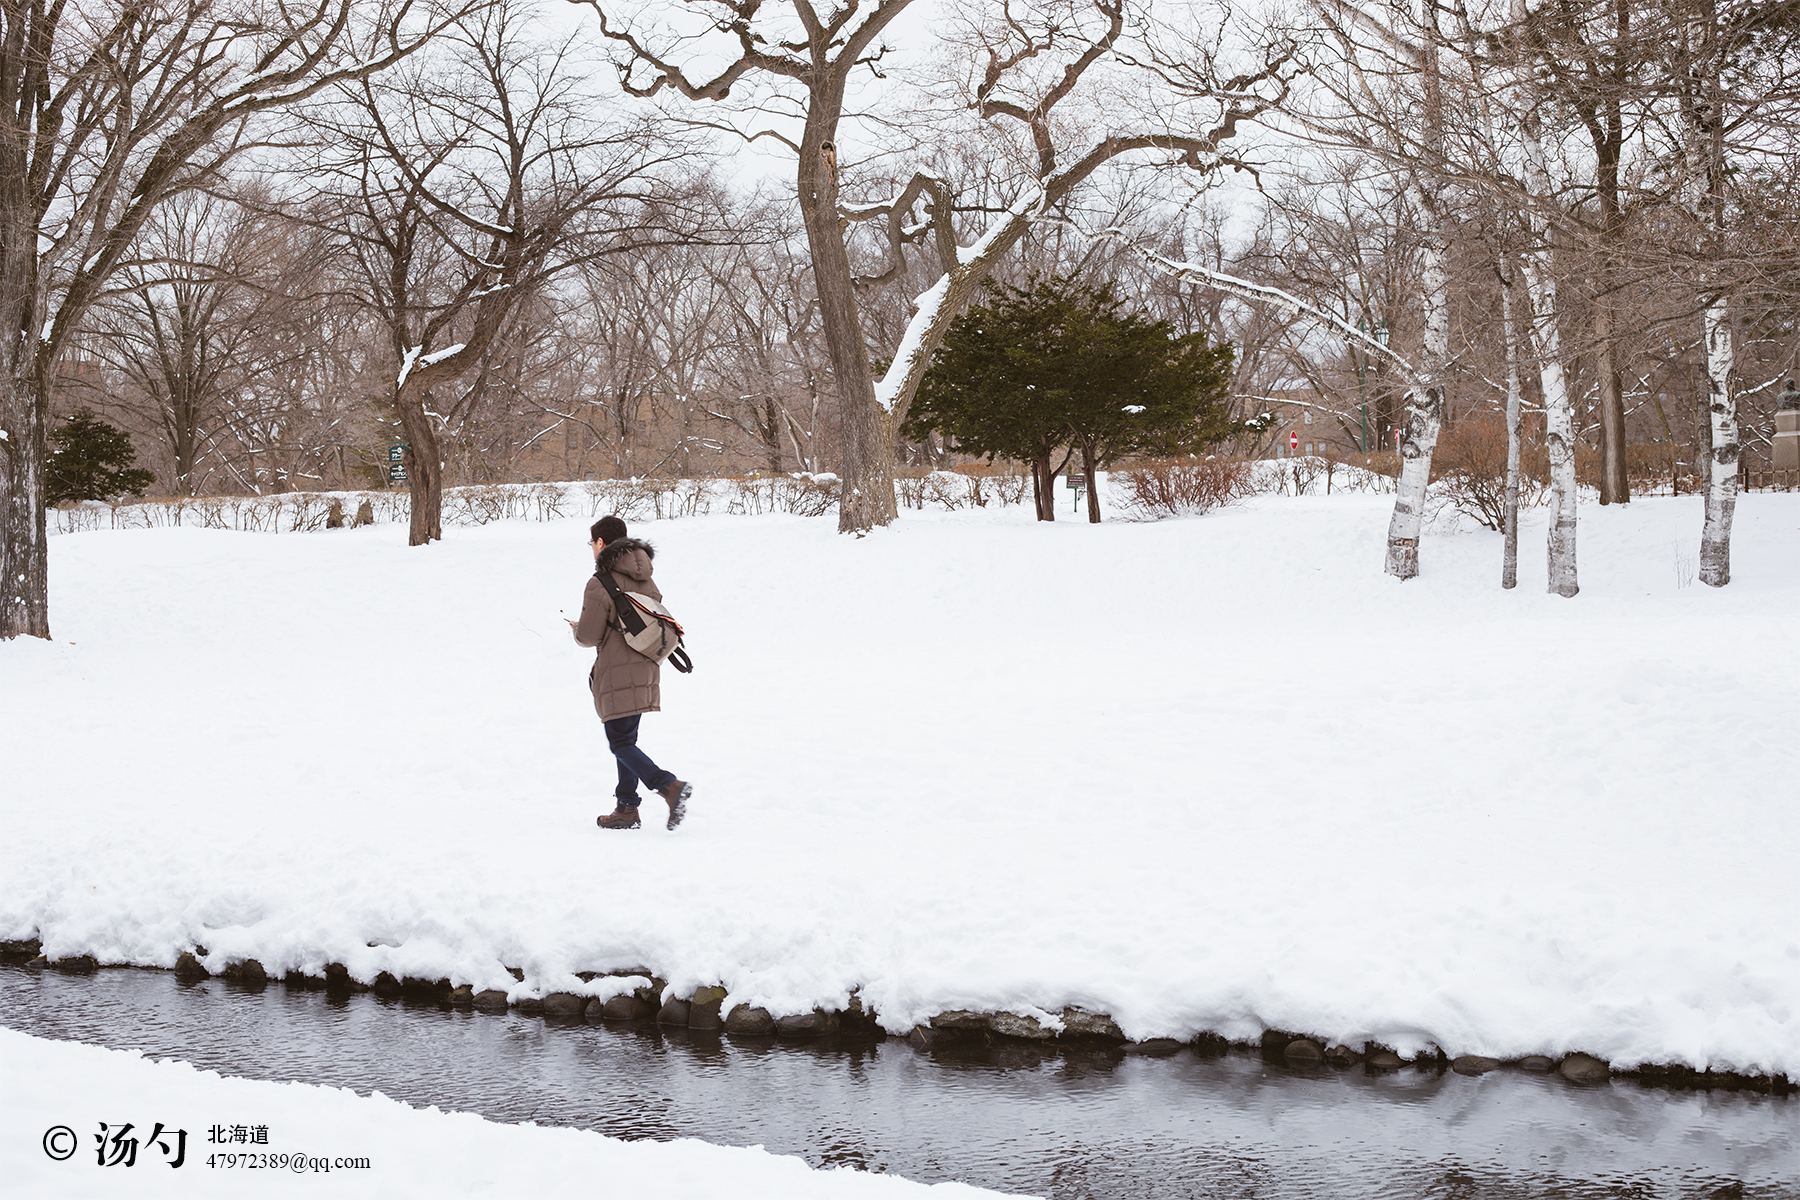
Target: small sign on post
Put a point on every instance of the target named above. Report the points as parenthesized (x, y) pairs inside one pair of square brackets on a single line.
[(397, 461), (1077, 481), (1293, 441)]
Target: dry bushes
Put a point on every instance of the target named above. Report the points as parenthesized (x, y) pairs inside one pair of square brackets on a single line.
[(681, 497), (629, 499), (800, 495), (287, 511), (479, 504), (974, 485), (1177, 487), (1650, 467), (994, 483), (1469, 468)]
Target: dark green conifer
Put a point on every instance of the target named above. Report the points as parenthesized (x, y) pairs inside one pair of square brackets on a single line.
[(92, 461), (1061, 363)]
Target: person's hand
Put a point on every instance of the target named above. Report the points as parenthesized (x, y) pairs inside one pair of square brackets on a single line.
[(572, 625)]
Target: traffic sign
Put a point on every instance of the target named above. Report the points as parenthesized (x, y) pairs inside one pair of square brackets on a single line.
[(1294, 440)]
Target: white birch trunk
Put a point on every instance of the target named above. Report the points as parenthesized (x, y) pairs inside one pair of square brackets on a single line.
[(1559, 428), (1559, 424), (1509, 556), (1546, 347), (1703, 115), (1722, 461), (1424, 401)]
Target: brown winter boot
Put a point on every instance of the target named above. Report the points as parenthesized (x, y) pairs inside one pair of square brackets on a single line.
[(619, 818), (677, 794)]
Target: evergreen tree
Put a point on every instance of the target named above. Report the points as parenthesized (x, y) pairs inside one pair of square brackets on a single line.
[(92, 461), (1060, 363)]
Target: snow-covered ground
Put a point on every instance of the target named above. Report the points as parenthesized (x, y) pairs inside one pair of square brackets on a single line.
[(321, 1141), (1211, 774)]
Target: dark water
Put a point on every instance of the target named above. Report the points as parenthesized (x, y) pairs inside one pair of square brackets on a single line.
[(1057, 1123)]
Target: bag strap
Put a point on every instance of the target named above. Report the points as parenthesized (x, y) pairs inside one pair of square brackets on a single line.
[(624, 610)]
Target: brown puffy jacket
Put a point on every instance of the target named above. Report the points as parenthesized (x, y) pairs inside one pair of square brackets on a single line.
[(623, 681)]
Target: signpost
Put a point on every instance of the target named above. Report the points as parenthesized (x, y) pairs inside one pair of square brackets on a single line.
[(1293, 441), (397, 461), (1077, 481)]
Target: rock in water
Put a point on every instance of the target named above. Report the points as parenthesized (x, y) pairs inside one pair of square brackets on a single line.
[(816, 1023), (703, 1008), (1473, 1064), (748, 1021), (1584, 1068), (1304, 1052)]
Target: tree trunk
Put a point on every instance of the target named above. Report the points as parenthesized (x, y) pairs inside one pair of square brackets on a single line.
[(866, 491), (1425, 398), (1043, 488), (1559, 423), (1090, 466), (1615, 485), (24, 544), (1701, 434), (1704, 115), (1546, 347), (1722, 456), (423, 459), (1509, 556), (1424, 409)]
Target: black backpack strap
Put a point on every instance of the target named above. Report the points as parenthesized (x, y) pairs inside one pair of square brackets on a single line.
[(624, 610), (680, 660)]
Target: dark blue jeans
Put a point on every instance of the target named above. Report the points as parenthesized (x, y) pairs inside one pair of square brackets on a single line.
[(634, 764)]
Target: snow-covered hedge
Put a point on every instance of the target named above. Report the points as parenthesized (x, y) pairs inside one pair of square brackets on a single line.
[(633, 499)]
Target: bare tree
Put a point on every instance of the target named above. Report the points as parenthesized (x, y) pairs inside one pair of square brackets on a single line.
[(468, 187), (816, 53), (110, 108)]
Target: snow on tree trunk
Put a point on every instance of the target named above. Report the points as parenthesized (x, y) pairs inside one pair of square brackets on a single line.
[(1722, 461)]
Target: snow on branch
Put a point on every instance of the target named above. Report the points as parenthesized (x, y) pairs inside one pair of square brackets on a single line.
[(889, 386), (406, 365), (1263, 293)]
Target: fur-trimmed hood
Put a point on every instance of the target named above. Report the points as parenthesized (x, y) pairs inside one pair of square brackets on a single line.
[(623, 558)]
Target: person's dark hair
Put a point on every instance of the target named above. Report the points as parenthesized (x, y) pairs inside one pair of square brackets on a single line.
[(607, 529)]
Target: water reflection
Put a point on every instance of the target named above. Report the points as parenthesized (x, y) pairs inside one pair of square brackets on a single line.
[(1080, 1123)]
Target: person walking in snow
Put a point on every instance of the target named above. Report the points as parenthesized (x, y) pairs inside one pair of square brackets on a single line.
[(626, 685)]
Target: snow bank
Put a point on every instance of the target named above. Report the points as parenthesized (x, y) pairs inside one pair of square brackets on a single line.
[(408, 1151), (1214, 774)]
